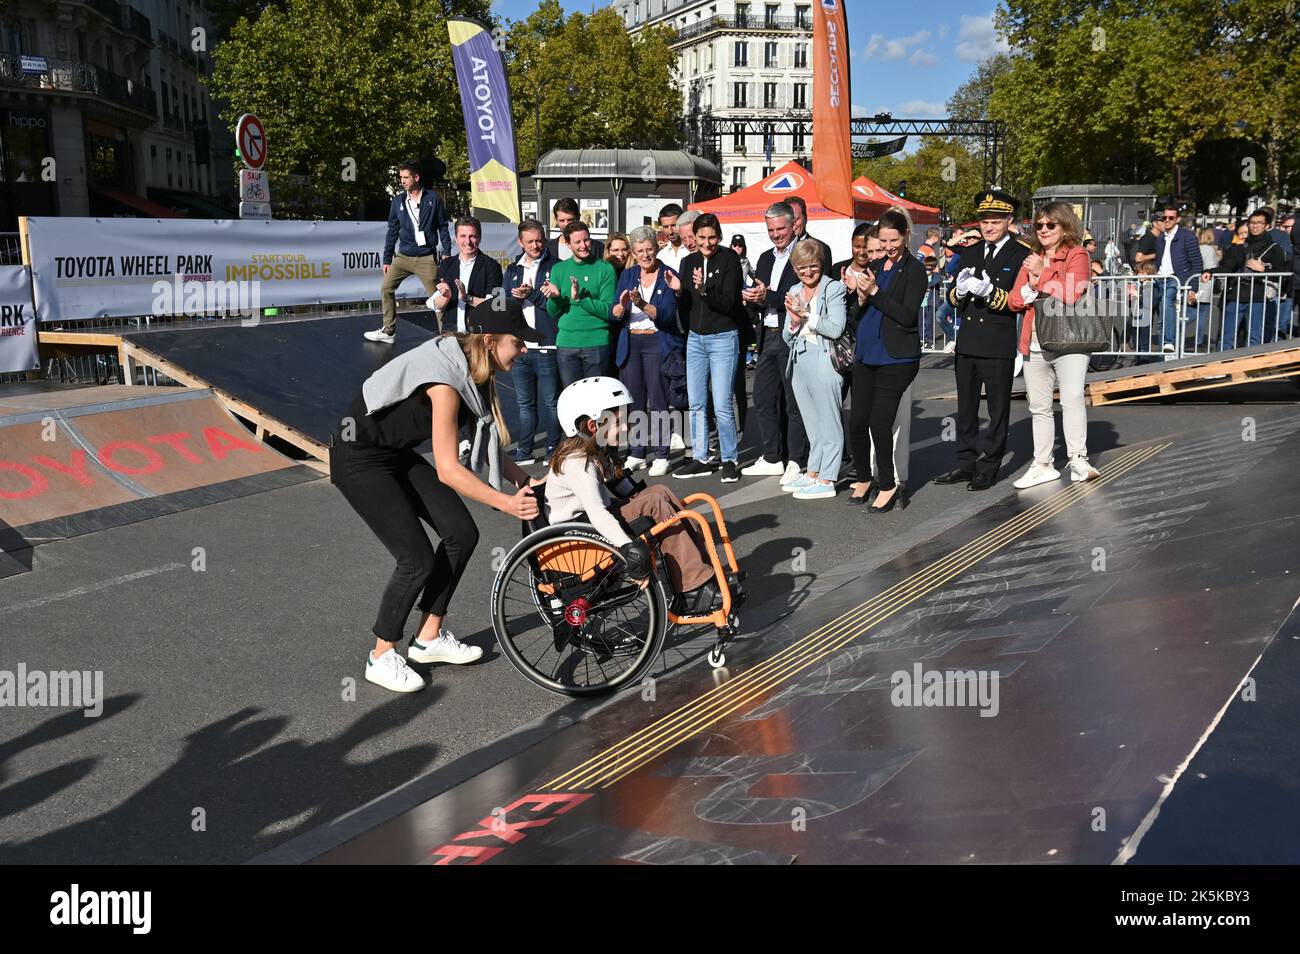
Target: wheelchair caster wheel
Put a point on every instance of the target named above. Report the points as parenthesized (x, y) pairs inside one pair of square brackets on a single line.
[(716, 658)]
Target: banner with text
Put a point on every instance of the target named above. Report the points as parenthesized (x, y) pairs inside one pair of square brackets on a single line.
[(489, 124), (113, 268), (17, 320), (831, 109)]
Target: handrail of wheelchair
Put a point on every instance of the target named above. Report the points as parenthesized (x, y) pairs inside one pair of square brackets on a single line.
[(722, 525), (717, 617)]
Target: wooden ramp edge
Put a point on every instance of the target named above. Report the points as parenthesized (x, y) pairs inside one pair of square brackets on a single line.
[(132, 354)]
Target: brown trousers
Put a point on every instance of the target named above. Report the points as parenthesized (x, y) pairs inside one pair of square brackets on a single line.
[(688, 562), (423, 266)]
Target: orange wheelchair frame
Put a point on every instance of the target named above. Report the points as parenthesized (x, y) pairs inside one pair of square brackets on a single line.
[(587, 564)]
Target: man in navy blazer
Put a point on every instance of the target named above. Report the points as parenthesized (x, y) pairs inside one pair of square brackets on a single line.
[(464, 280), (1178, 256), (536, 372), (417, 220)]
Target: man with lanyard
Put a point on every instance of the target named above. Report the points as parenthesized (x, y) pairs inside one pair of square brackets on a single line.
[(416, 218), (468, 279), (780, 426), (986, 341), (536, 374)]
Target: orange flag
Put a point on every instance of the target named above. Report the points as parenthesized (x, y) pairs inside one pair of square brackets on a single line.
[(832, 155)]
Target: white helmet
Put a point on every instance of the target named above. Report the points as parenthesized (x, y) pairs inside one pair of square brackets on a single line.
[(589, 397)]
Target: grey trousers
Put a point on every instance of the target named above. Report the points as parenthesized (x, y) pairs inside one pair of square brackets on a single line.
[(816, 385), (1046, 371)]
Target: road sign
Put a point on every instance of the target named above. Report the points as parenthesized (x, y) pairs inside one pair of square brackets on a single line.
[(250, 139), (254, 186), (255, 210)]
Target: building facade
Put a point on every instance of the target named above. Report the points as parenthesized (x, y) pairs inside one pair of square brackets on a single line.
[(750, 58), (102, 111)]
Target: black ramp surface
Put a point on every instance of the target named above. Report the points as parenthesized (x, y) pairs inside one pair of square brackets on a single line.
[(302, 373), (1104, 627)]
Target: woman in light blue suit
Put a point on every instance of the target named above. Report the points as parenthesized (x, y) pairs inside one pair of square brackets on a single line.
[(815, 317), (645, 314)]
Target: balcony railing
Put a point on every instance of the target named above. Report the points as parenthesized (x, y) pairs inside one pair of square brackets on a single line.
[(125, 18), (80, 77), (742, 22)]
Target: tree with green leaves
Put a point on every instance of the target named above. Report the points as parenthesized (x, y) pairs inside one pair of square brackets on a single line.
[(349, 88)]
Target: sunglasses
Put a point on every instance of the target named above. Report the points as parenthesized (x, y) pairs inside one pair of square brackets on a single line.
[(1169, 218), (1047, 226)]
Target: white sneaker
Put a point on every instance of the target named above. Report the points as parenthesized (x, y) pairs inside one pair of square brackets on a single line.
[(634, 463), (763, 468), (391, 671), (815, 490), (1168, 348), (659, 467), (799, 483), (446, 648), (380, 336), (792, 473), (1081, 470), (1035, 475), (950, 347), (675, 443)]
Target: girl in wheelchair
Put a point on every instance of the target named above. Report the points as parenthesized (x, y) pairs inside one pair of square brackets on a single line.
[(587, 477)]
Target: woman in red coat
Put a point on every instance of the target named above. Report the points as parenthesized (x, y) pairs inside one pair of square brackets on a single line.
[(1059, 269)]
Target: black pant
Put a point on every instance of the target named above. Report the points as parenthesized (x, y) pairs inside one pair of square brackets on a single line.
[(877, 391), (994, 376), (393, 491), (780, 427)]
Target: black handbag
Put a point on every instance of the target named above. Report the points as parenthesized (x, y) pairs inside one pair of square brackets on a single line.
[(1083, 327), (844, 349)]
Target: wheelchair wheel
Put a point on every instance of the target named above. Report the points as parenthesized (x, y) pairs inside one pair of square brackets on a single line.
[(568, 618)]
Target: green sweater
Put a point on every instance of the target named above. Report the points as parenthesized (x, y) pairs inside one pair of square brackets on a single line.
[(584, 321)]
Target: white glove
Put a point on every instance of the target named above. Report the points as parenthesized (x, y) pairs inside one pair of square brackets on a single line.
[(981, 287), (964, 279)]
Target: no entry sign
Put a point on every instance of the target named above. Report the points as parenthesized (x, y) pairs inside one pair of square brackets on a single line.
[(250, 137)]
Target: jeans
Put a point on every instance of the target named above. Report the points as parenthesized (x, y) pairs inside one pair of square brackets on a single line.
[(645, 383), (711, 371), (943, 320), (578, 363), (1167, 309), (393, 491), (1259, 315), (536, 377)]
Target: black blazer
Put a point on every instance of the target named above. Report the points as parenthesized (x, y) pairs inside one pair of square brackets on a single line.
[(484, 277), (988, 325), (789, 278), (717, 307), (900, 303)]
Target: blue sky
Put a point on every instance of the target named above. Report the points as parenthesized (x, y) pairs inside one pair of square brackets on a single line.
[(903, 63)]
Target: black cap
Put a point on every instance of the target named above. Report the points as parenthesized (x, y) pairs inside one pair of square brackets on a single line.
[(996, 202), (500, 315)]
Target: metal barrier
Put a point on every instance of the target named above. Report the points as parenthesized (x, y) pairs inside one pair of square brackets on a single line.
[(1158, 316)]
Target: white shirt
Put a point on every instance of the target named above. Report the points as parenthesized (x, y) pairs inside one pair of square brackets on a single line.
[(640, 320), (672, 255), (809, 327), (780, 259), (565, 252), (465, 269), (997, 249), (530, 279), (1167, 260)]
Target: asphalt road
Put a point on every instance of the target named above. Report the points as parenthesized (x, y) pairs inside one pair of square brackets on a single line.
[(235, 713)]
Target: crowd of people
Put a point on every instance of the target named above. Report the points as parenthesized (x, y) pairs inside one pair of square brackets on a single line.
[(666, 319)]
